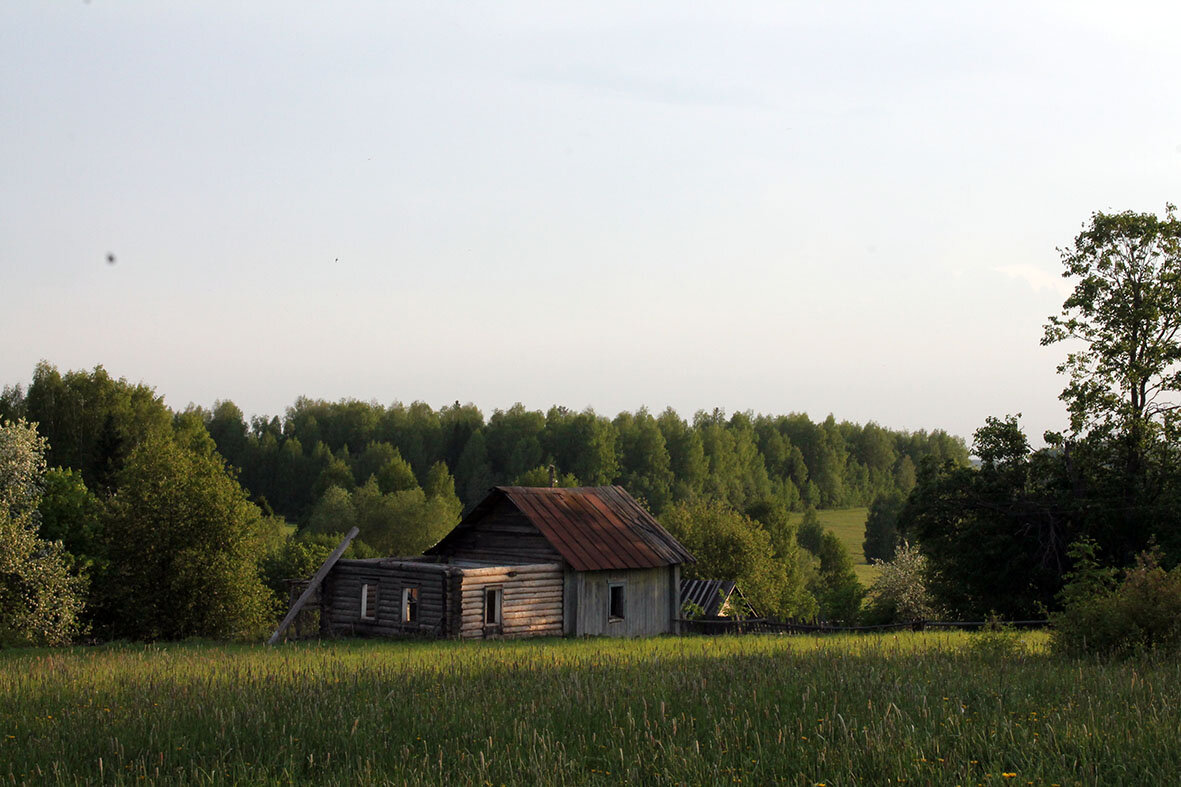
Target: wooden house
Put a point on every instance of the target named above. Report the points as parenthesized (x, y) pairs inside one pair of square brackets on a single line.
[(527, 561)]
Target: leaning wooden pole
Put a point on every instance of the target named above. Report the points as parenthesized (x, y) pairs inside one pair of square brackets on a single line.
[(315, 583)]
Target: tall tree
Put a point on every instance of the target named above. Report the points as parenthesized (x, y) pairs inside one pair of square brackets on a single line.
[(643, 459), (686, 455), (180, 540), (92, 420), (513, 439), (881, 525), (582, 444), (1126, 310), (996, 537), (1124, 389)]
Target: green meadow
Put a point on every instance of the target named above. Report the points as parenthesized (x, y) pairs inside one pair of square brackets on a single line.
[(925, 708), (849, 526)]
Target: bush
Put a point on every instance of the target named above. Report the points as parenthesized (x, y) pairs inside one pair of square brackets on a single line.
[(997, 640), (1140, 613), (899, 594)]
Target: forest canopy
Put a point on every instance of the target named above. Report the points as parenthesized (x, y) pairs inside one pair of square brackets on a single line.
[(285, 488)]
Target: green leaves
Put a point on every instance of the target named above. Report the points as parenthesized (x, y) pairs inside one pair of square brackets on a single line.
[(182, 539), (1126, 311), (40, 599)]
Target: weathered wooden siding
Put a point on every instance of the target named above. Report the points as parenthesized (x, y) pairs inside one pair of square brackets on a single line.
[(649, 599), (340, 599), (504, 536), (531, 604), (546, 599)]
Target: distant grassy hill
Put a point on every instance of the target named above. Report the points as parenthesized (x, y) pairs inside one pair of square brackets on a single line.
[(849, 526)]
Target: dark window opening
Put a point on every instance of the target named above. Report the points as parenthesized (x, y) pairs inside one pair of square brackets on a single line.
[(492, 600), (615, 603)]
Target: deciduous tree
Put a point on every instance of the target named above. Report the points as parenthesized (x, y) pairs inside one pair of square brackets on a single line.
[(180, 538), (41, 601)]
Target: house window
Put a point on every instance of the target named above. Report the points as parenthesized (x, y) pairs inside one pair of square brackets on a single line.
[(615, 602), (492, 602), (409, 605), (369, 602)]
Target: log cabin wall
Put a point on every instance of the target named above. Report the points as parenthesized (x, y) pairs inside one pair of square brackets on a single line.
[(503, 536), (531, 599), (340, 604), (650, 602)]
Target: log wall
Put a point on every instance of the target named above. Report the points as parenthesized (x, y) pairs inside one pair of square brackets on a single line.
[(531, 601), (340, 598), (538, 599)]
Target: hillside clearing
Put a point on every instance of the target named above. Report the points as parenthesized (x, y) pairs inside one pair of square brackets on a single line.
[(849, 526)]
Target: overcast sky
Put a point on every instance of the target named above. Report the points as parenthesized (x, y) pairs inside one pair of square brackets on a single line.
[(812, 207)]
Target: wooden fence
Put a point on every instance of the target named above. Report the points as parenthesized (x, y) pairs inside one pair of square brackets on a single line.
[(764, 626)]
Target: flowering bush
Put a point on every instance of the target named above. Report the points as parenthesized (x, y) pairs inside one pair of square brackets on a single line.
[(900, 591)]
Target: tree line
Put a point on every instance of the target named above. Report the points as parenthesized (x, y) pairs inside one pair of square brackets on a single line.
[(124, 476), (121, 516), (1088, 527)]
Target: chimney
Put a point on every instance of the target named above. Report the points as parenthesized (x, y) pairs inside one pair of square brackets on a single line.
[(553, 476)]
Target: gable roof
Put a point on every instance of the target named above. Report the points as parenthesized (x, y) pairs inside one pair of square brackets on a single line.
[(712, 594), (592, 527)]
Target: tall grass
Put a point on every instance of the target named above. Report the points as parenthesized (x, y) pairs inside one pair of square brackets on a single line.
[(883, 709)]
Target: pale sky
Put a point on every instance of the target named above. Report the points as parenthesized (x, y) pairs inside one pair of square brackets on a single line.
[(781, 207)]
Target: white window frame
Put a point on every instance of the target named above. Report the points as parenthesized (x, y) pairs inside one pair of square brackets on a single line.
[(366, 612), (406, 595), (497, 609)]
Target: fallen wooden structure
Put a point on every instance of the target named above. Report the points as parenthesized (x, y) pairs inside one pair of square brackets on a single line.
[(313, 585)]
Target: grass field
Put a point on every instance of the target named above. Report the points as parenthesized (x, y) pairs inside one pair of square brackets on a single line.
[(849, 526), (870, 709)]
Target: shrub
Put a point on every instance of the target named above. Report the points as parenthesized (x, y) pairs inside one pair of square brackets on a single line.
[(900, 592), (1142, 612), (997, 640)]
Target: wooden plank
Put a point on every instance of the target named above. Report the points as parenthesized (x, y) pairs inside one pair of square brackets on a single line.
[(537, 576), (546, 586), (554, 599), (313, 584), (529, 598), (518, 627), (414, 567), (532, 631), (525, 568), (547, 589), (540, 607), (532, 620)]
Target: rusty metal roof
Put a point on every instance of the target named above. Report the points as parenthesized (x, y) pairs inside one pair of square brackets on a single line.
[(592, 527)]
